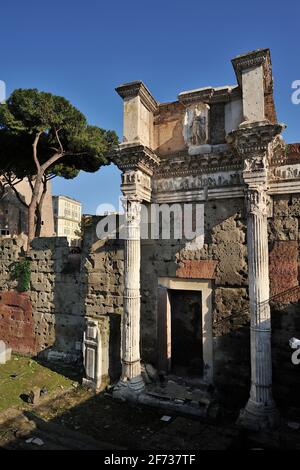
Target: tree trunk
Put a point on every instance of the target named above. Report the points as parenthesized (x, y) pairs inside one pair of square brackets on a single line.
[(33, 207), (39, 208)]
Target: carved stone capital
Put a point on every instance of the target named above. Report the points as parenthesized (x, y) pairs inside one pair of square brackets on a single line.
[(136, 185), (255, 143), (257, 201), (137, 164), (254, 138), (135, 157), (132, 208)]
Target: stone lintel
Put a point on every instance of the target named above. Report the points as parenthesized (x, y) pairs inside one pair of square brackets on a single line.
[(250, 60), (137, 88), (284, 187)]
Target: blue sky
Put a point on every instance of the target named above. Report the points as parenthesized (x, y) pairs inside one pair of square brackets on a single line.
[(83, 50)]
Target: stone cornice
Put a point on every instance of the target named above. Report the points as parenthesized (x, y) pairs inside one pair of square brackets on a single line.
[(136, 157), (289, 155), (209, 95), (182, 164), (137, 88), (254, 137), (250, 60)]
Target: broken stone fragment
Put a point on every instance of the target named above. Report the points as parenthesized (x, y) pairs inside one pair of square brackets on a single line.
[(35, 440), (152, 372), (34, 396), (145, 375), (149, 373)]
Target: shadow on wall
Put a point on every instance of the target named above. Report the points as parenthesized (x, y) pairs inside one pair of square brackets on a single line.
[(224, 244), (48, 321), (82, 286), (57, 297), (103, 275)]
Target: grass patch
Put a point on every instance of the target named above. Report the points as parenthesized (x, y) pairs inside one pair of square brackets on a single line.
[(20, 374)]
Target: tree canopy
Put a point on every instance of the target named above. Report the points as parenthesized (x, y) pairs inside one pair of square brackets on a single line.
[(43, 136), (63, 131)]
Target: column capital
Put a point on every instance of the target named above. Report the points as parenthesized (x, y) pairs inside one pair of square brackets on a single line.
[(257, 200), (132, 208), (254, 138), (137, 164), (129, 157), (254, 143)]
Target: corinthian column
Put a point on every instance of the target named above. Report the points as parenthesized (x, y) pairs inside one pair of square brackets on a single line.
[(260, 411), (255, 143), (131, 379)]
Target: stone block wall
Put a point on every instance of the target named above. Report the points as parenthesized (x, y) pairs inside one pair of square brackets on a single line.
[(223, 258), (285, 296), (54, 298), (102, 277), (67, 289), (225, 246)]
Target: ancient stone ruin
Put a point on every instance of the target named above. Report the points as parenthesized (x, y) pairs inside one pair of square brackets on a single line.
[(195, 307)]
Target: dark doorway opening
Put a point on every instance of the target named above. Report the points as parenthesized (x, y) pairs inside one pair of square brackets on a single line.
[(186, 333)]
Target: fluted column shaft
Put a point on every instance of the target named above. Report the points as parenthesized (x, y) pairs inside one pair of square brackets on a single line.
[(130, 338), (260, 407)]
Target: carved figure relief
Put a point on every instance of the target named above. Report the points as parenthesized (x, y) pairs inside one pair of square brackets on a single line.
[(198, 182), (256, 162), (285, 172), (195, 125)]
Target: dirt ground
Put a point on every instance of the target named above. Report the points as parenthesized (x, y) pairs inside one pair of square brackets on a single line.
[(78, 419), (73, 418)]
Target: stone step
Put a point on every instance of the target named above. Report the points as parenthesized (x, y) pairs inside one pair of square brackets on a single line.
[(191, 397)]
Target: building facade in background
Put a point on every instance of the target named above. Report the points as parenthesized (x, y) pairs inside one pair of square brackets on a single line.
[(67, 217), (14, 214)]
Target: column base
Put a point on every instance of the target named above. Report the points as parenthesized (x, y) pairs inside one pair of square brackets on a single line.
[(129, 389), (258, 417)]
